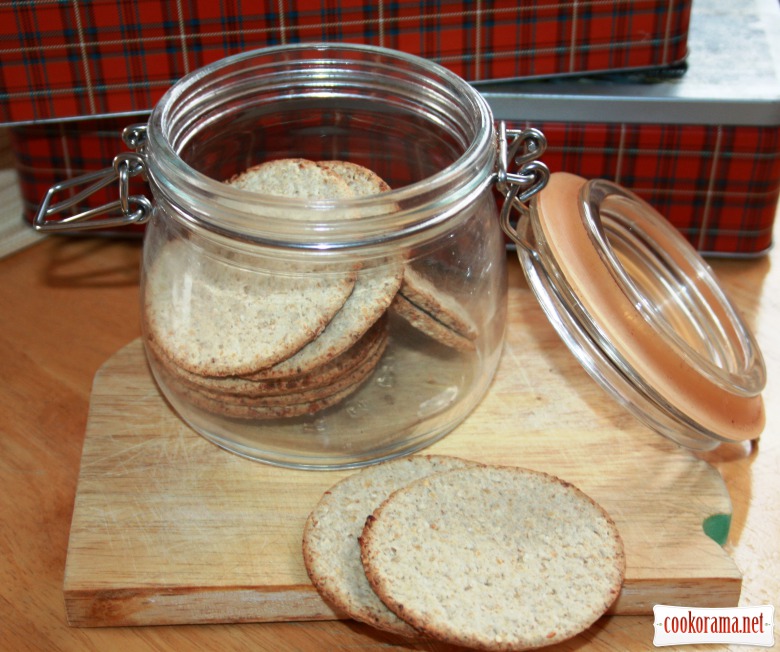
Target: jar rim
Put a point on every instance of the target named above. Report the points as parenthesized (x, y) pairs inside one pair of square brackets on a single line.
[(402, 211)]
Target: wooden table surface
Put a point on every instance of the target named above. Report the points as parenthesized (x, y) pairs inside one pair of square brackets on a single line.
[(68, 304)]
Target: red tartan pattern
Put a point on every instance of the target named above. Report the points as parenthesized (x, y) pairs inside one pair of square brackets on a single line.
[(98, 57), (719, 185)]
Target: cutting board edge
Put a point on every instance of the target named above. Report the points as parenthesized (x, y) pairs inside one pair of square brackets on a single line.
[(696, 592), (144, 606), (156, 605)]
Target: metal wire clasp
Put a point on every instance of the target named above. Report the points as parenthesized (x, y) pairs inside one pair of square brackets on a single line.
[(523, 148), (133, 209)]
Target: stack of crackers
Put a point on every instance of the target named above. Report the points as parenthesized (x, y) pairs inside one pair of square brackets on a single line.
[(264, 344), (489, 557)]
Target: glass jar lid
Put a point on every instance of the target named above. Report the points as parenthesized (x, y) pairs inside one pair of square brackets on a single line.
[(642, 312)]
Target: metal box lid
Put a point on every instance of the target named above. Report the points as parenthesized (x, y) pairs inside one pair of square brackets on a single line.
[(733, 77)]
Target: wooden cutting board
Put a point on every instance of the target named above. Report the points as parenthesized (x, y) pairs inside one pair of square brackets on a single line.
[(167, 528)]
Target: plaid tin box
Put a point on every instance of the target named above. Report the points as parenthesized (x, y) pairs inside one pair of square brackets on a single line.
[(704, 149), (97, 57)]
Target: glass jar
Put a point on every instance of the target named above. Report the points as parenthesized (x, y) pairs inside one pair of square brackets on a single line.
[(323, 332), (330, 333)]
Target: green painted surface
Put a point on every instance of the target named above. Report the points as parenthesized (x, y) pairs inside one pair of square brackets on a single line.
[(717, 526)]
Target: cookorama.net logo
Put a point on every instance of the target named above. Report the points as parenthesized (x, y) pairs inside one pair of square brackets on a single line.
[(733, 625)]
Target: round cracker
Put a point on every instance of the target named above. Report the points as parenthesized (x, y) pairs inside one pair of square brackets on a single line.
[(293, 405), (425, 323), (249, 386), (292, 177), (331, 551), (219, 407), (362, 181), (215, 318), (371, 296), (494, 558), (295, 396), (441, 306)]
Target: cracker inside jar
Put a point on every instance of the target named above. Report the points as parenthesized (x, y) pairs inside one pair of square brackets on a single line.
[(260, 344)]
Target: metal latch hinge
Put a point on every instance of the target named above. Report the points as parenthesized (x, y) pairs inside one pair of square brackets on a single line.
[(521, 148), (128, 209)]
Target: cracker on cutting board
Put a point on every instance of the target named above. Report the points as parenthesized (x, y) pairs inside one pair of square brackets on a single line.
[(495, 558), (330, 540)]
